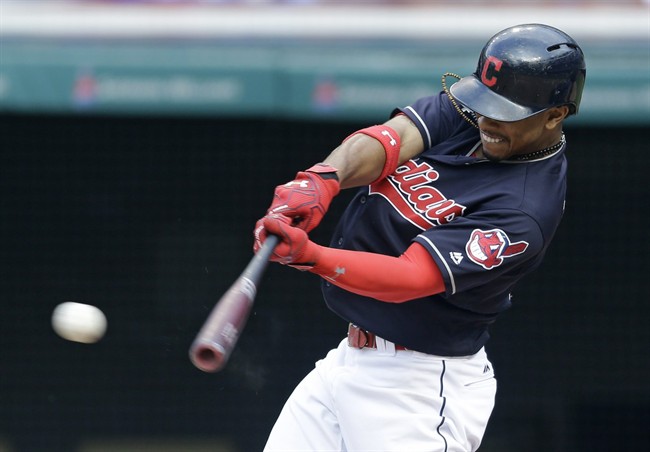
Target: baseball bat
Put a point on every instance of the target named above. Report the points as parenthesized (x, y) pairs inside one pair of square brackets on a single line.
[(217, 338)]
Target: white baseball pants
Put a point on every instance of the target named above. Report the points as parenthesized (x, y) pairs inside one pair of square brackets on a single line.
[(387, 400)]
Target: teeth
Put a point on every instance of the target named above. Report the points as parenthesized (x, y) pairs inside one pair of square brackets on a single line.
[(476, 250), (490, 139)]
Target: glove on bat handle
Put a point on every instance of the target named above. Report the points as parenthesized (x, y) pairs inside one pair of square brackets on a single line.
[(217, 338)]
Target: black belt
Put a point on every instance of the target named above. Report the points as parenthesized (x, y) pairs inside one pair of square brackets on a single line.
[(359, 338)]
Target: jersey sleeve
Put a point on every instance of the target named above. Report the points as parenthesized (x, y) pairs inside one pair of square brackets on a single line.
[(434, 116), (489, 251)]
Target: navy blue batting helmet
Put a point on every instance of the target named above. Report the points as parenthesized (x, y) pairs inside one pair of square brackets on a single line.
[(522, 71)]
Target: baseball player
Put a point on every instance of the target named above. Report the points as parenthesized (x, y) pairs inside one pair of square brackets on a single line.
[(461, 194)]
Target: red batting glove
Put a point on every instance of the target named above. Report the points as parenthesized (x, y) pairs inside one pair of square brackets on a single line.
[(295, 248), (305, 199)]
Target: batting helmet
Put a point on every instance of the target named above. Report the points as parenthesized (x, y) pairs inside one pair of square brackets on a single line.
[(522, 71)]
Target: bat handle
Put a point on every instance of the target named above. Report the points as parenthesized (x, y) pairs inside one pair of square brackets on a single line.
[(252, 270)]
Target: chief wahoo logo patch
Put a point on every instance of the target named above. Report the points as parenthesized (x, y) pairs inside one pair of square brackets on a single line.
[(489, 248)]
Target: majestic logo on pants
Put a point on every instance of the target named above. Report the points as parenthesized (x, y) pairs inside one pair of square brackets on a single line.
[(489, 248), (411, 192)]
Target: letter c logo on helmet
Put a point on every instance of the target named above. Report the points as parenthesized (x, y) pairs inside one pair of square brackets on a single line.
[(496, 64)]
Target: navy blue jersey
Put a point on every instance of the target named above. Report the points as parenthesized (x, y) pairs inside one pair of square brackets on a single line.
[(485, 224)]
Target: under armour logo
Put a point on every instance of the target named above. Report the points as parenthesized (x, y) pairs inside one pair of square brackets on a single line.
[(300, 183), (339, 271), (386, 133)]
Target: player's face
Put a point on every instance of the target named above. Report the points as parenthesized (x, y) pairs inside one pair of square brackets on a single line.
[(502, 140)]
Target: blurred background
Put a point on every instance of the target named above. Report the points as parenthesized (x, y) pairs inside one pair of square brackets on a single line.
[(140, 142)]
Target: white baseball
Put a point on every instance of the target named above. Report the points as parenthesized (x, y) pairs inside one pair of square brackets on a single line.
[(79, 322)]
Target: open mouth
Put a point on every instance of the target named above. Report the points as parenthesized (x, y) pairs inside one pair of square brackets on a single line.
[(490, 139), (476, 250)]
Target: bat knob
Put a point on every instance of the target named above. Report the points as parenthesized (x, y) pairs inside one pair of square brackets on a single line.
[(208, 356)]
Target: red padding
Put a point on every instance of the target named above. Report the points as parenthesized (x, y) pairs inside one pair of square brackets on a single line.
[(390, 140)]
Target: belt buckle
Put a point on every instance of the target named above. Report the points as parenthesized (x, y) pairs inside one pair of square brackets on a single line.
[(357, 337)]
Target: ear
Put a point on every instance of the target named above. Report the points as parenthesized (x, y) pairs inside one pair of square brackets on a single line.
[(556, 115)]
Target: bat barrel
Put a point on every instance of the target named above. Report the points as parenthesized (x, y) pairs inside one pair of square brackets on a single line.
[(208, 356), (212, 346)]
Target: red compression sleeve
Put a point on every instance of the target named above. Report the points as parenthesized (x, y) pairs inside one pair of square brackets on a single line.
[(393, 279)]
